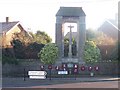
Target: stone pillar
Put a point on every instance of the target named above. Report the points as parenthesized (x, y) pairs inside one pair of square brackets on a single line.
[(77, 40), (81, 36), (59, 38), (62, 39)]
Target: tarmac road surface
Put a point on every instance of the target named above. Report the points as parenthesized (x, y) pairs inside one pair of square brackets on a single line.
[(102, 84)]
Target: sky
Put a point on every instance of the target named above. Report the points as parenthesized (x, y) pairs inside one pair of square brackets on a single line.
[(40, 14)]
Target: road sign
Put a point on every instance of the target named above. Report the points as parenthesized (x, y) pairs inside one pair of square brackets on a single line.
[(70, 65), (37, 73), (75, 70), (83, 68), (50, 67), (90, 68), (75, 66), (57, 67), (62, 72), (37, 77), (96, 68)]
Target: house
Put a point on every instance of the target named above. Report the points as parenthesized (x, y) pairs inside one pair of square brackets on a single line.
[(111, 32), (110, 28), (8, 30)]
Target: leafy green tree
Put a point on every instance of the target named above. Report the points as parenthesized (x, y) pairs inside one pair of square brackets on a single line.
[(41, 37), (91, 52), (48, 54)]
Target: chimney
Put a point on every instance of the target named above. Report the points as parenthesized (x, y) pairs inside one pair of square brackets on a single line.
[(7, 19)]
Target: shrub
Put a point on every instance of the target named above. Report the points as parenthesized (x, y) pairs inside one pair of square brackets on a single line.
[(91, 52), (48, 54)]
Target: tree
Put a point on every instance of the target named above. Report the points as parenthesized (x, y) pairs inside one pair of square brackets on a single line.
[(114, 54), (90, 34), (91, 52), (41, 37), (19, 49), (103, 39), (99, 37), (48, 54), (23, 37), (32, 50)]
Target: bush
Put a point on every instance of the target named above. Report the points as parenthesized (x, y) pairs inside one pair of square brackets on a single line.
[(48, 54), (32, 50), (91, 52)]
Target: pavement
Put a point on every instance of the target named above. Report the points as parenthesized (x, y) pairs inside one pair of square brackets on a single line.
[(8, 82)]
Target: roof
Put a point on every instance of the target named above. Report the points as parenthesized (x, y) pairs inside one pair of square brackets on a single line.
[(74, 35), (109, 28), (70, 11), (113, 23), (6, 26)]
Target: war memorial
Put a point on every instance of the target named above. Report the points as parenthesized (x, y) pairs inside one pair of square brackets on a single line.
[(71, 15)]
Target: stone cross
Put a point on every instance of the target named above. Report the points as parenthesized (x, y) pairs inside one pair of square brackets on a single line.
[(70, 42)]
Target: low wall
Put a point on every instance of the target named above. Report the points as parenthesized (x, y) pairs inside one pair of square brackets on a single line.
[(105, 68)]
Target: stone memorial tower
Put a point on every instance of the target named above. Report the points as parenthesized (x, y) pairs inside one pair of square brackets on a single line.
[(71, 15)]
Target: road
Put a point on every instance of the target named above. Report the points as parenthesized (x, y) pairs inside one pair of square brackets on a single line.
[(103, 84), (83, 82)]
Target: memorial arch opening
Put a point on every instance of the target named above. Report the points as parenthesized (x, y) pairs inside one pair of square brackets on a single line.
[(71, 16)]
